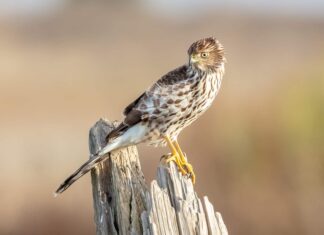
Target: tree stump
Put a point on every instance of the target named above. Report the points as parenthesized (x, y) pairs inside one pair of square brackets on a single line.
[(124, 205)]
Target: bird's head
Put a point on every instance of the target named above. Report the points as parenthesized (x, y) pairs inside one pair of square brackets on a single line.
[(206, 54)]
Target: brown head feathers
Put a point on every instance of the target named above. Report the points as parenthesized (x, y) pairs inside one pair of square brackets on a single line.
[(206, 54)]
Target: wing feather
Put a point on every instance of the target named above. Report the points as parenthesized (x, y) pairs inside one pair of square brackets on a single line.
[(139, 108)]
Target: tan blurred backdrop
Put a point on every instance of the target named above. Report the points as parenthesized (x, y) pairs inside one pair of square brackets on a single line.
[(258, 152)]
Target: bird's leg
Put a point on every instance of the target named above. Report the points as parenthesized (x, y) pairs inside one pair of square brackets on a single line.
[(185, 163), (174, 156)]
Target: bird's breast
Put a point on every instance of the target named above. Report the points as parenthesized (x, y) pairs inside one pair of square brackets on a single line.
[(201, 94), (179, 107), (205, 92)]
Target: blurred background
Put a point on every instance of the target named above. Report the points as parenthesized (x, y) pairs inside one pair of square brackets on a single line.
[(258, 152)]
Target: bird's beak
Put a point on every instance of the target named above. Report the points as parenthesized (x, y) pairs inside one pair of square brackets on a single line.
[(193, 59)]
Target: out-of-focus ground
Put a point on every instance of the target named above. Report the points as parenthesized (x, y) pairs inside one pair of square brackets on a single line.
[(258, 152)]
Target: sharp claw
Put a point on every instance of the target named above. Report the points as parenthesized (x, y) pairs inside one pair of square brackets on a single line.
[(190, 173), (191, 176), (184, 167), (164, 157), (176, 159)]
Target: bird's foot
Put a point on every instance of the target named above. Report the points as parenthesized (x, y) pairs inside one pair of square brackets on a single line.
[(184, 167), (188, 167), (176, 159), (190, 171)]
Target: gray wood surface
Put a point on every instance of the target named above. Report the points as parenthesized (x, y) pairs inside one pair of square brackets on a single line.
[(123, 203)]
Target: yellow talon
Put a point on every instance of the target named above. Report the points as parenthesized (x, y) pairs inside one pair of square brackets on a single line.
[(190, 171), (176, 159), (180, 159)]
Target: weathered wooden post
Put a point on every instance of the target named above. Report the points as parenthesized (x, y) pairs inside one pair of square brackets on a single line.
[(125, 205)]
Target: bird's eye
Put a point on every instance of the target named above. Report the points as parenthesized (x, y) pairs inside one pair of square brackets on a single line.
[(204, 55)]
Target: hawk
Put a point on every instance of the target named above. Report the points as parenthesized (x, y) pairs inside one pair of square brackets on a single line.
[(172, 103)]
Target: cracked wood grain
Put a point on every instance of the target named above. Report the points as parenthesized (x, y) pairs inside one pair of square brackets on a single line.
[(123, 203)]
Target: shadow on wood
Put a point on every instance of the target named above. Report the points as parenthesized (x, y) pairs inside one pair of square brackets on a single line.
[(125, 205)]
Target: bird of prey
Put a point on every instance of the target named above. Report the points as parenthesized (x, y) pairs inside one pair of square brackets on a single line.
[(172, 103)]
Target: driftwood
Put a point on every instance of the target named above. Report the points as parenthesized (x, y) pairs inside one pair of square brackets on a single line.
[(125, 205)]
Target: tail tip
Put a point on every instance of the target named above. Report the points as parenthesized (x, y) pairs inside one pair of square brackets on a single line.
[(58, 191)]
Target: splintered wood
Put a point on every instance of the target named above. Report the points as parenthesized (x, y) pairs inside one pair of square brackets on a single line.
[(125, 205)]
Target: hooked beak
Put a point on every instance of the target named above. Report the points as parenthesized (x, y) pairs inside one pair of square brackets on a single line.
[(193, 59)]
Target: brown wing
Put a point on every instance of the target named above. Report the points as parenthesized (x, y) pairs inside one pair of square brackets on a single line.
[(134, 114), (133, 104), (132, 117), (174, 77)]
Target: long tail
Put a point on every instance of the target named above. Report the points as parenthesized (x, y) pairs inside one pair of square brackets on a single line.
[(133, 135), (87, 166)]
